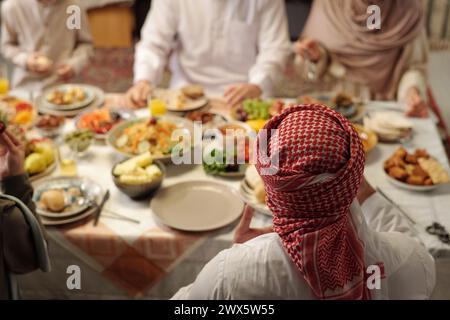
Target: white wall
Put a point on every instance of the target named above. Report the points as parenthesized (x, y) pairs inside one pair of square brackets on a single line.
[(439, 77)]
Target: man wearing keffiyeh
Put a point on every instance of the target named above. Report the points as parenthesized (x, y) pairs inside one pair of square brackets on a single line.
[(322, 246)]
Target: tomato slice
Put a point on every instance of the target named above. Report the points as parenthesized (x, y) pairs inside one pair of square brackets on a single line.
[(23, 106)]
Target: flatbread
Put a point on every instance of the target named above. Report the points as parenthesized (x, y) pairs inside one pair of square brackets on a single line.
[(435, 170)]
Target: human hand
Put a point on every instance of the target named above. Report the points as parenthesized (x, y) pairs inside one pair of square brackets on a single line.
[(365, 191), (237, 93), (137, 95), (415, 106), (308, 48), (12, 154), (244, 233), (39, 63), (65, 72)]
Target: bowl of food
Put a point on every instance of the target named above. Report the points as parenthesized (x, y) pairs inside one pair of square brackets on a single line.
[(416, 171), (15, 111), (50, 126), (101, 121), (139, 176), (79, 141), (255, 112), (208, 119), (40, 158), (350, 107), (218, 161), (137, 136)]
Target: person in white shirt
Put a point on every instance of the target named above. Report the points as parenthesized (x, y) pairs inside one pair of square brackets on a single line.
[(231, 48), (321, 247), (36, 40)]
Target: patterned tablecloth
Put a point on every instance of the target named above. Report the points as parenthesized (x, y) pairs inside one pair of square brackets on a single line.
[(120, 259)]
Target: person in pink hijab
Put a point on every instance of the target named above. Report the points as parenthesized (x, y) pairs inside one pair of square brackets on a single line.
[(320, 246), (387, 64)]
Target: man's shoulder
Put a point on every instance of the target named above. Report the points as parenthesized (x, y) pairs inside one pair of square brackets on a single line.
[(266, 248)]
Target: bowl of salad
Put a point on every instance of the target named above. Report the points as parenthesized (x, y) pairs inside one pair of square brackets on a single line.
[(254, 112), (101, 121)]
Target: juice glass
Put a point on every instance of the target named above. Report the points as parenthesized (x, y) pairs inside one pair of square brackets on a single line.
[(157, 107)]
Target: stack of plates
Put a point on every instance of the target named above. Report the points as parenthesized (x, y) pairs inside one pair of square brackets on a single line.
[(248, 194), (81, 196), (94, 98)]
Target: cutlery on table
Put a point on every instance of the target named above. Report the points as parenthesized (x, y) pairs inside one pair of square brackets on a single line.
[(100, 207)]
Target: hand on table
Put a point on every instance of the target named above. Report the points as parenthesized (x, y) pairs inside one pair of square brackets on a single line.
[(415, 105), (137, 95), (237, 93), (243, 232), (39, 63), (65, 72), (12, 154), (308, 48)]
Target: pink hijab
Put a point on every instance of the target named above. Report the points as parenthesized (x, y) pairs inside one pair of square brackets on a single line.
[(372, 57)]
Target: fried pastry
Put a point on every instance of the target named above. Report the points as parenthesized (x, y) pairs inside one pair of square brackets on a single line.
[(398, 173), (415, 180)]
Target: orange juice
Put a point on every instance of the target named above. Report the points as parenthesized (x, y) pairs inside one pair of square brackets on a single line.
[(68, 168), (157, 107), (4, 86)]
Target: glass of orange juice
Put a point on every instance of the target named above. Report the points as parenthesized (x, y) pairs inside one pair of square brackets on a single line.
[(4, 83), (67, 162), (157, 107)]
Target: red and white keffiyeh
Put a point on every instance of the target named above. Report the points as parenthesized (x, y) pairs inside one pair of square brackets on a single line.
[(321, 164)]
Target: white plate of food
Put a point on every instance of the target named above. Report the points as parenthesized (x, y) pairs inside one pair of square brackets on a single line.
[(69, 96), (45, 108), (208, 119), (390, 126), (197, 206), (415, 171), (138, 136), (63, 197), (252, 191), (187, 98)]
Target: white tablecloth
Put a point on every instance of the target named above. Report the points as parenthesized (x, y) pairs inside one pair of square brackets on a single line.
[(423, 207)]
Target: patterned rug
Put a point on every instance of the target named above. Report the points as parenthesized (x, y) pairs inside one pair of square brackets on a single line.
[(110, 69)]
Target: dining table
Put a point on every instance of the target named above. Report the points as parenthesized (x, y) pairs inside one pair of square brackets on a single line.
[(141, 258)]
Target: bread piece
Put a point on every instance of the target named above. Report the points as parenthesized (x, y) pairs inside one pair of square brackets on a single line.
[(53, 200), (437, 173), (193, 91), (260, 193)]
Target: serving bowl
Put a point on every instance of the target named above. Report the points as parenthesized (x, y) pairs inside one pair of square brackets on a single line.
[(140, 191)]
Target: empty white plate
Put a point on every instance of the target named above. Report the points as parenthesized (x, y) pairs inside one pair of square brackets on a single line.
[(197, 206)]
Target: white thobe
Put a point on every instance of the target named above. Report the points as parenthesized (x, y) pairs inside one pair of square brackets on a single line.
[(214, 43), (28, 27), (261, 269)]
